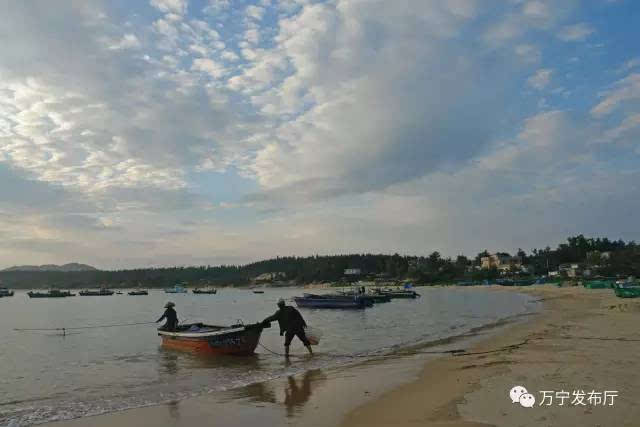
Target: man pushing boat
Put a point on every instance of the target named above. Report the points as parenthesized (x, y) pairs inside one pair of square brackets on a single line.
[(171, 316), (291, 324)]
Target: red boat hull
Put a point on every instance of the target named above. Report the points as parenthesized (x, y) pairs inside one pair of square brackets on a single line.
[(234, 341)]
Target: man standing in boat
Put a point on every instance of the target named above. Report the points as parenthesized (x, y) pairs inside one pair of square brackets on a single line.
[(171, 316), (291, 324)]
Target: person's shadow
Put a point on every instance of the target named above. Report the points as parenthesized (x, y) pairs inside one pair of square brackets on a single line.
[(298, 391)]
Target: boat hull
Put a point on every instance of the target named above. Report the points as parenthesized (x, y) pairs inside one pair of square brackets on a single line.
[(237, 341), (628, 292), (39, 295), (136, 293)]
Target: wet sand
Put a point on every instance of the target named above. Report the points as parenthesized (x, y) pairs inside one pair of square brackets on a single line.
[(582, 339)]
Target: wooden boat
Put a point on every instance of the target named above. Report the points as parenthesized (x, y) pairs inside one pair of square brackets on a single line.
[(210, 291), (177, 289), (53, 293), (216, 340), (99, 293), (140, 292), (332, 301), (626, 291), (4, 292)]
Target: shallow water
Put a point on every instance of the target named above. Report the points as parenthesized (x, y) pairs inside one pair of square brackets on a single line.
[(46, 377)]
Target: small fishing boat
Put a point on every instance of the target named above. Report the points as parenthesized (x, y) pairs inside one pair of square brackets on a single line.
[(598, 284), (138, 292), (627, 290), (177, 289), (4, 292), (99, 293), (239, 339), (375, 298), (255, 291), (397, 293), (53, 293), (332, 301), (210, 291)]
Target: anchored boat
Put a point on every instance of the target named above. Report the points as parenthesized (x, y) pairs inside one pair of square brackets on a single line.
[(53, 293), (218, 340), (177, 289), (139, 292), (99, 293), (332, 301), (211, 291), (4, 292), (397, 294), (626, 291)]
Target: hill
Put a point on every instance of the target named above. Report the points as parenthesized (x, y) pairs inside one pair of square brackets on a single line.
[(74, 266)]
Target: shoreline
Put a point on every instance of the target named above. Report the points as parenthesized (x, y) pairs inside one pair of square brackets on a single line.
[(468, 390), (581, 340)]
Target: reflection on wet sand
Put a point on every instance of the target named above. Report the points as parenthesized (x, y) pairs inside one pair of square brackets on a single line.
[(298, 392)]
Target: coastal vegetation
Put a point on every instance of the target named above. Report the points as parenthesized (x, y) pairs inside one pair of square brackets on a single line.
[(622, 259)]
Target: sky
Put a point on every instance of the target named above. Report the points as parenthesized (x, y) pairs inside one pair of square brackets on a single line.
[(205, 132)]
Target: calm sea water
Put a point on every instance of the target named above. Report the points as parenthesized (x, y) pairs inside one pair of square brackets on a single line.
[(46, 377)]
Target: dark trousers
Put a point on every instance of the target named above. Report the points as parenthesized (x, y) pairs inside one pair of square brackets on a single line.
[(288, 336)]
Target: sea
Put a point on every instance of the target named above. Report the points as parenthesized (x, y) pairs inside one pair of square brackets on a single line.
[(47, 376)]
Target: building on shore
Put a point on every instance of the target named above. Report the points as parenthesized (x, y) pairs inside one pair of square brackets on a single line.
[(501, 261)]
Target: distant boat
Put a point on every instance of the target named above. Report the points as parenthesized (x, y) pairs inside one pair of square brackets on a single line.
[(210, 291), (397, 294), (332, 301), (140, 292), (258, 292), (4, 292), (598, 284), (99, 293), (215, 340), (628, 289), (53, 293), (177, 289)]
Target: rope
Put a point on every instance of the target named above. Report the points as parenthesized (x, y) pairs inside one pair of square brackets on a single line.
[(83, 327)]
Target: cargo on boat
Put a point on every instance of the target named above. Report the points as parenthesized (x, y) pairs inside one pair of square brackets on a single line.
[(99, 293), (332, 301), (54, 293), (240, 340)]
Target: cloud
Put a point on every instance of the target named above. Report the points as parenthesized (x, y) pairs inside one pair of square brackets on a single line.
[(575, 33), (170, 6), (624, 91), (540, 79), (128, 41)]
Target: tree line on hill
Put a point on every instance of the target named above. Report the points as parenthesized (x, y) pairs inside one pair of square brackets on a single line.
[(623, 259)]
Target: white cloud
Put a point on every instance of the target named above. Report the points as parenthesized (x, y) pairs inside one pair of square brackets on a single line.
[(128, 41), (625, 90), (574, 33), (255, 12), (209, 66), (170, 6), (540, 79)]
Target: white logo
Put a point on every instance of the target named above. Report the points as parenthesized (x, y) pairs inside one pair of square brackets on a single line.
[(516, 392), (520, 395), (527, 400)]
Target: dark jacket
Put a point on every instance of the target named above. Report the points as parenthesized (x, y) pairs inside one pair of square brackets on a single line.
[(171, 316), (289, 319)]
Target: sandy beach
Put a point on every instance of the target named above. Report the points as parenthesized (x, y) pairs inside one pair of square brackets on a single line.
[(581, 340)]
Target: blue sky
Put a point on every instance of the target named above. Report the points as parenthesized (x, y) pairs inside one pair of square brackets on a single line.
[(175, 132)]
